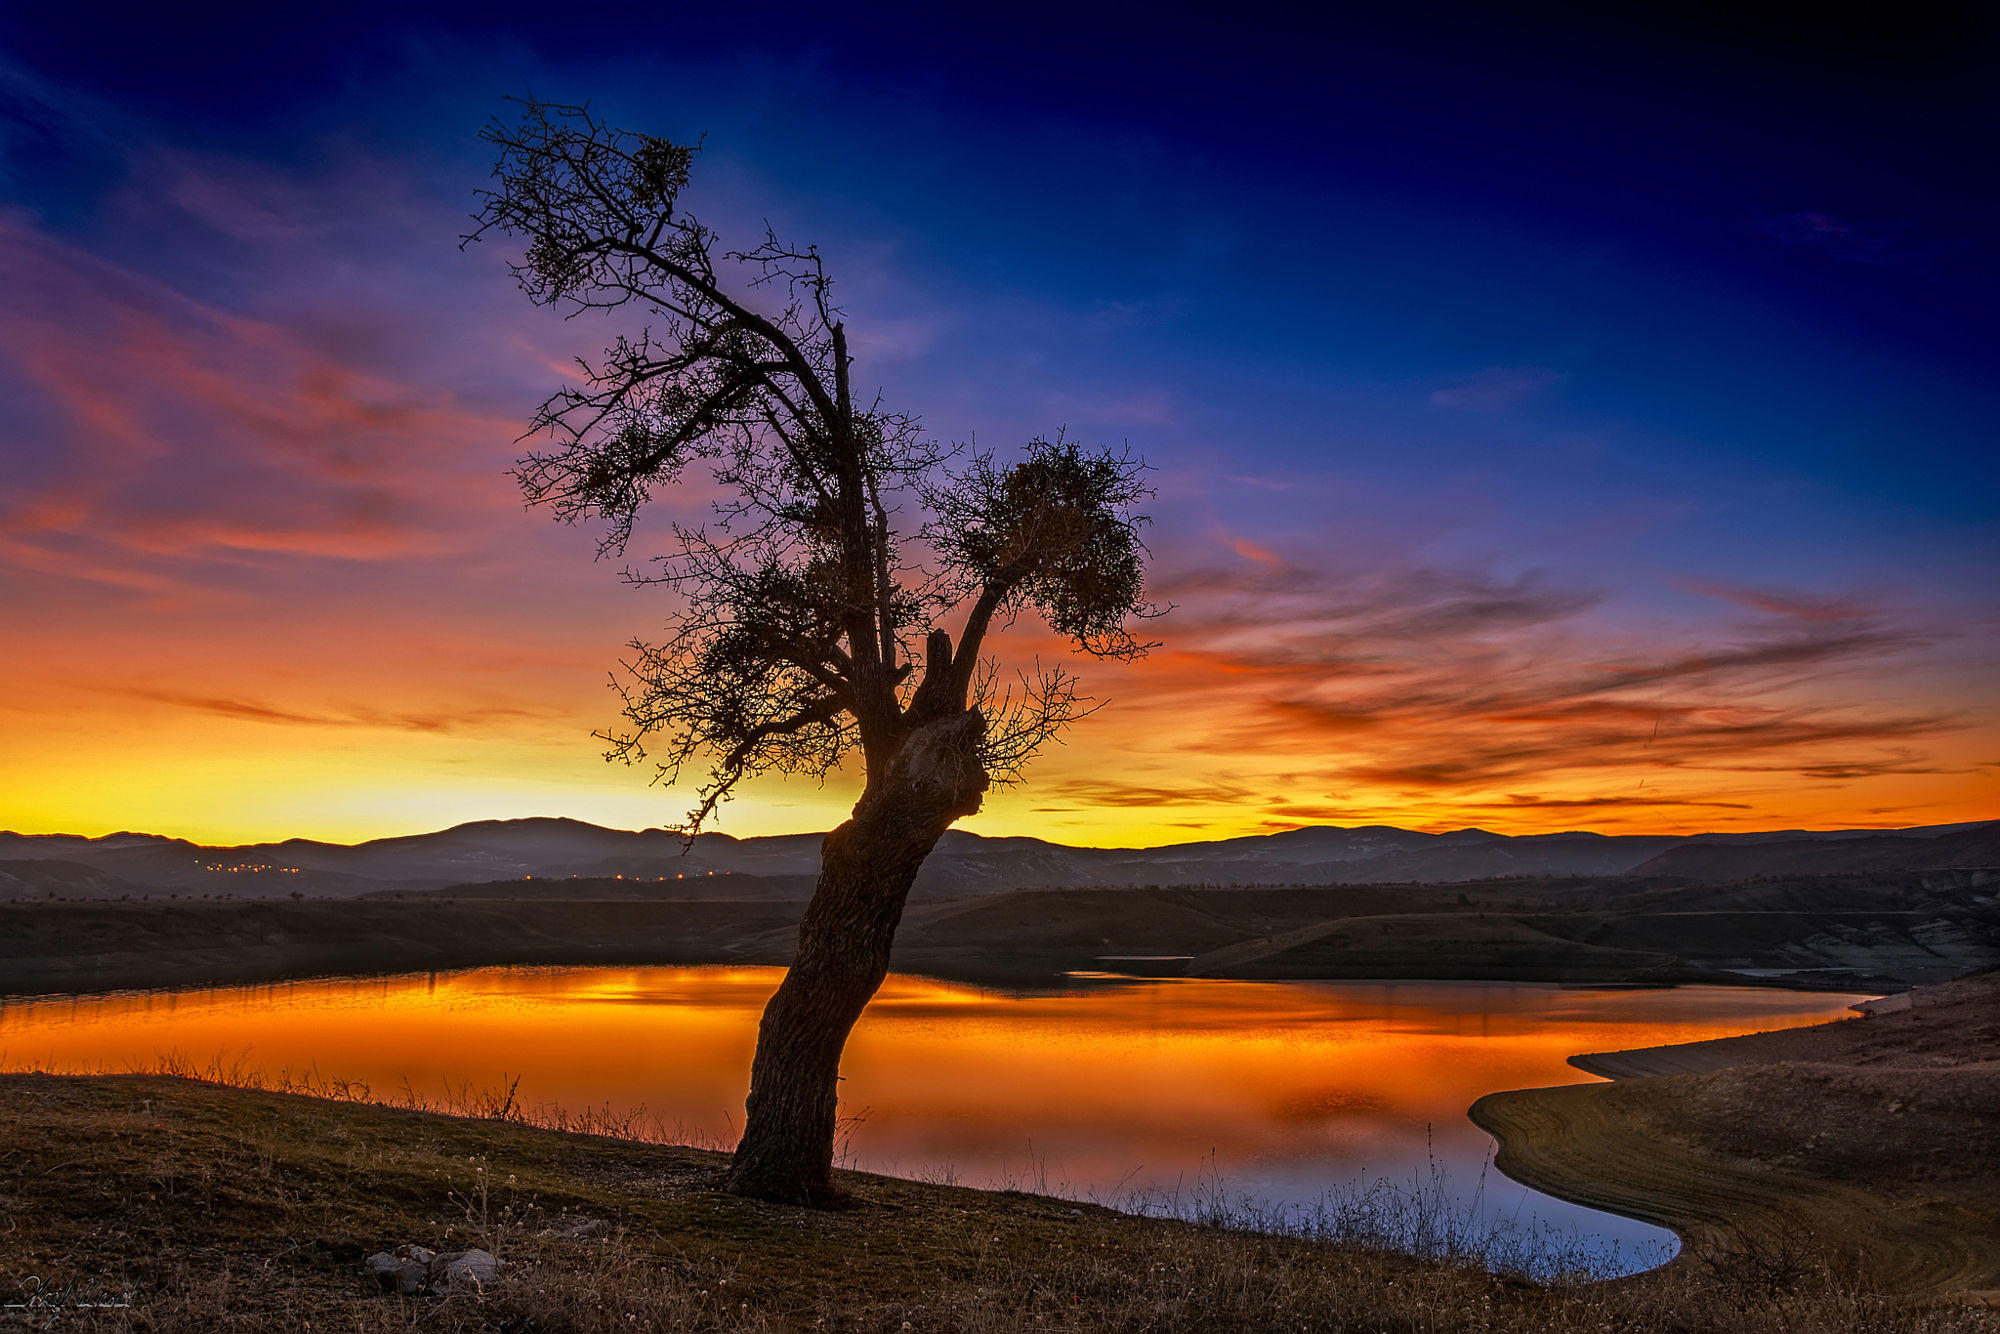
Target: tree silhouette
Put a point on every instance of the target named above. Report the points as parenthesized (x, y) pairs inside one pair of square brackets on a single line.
[(842, 544)]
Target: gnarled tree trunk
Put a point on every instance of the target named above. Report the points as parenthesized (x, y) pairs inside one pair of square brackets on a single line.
[(867, 866)]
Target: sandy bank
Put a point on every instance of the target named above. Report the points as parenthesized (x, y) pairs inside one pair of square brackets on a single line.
[(1873, 1142)]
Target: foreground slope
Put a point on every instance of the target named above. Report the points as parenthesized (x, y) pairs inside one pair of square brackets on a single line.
[(190, 1206)]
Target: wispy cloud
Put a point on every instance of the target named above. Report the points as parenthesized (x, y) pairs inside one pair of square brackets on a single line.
[(1466, 690), (1110, 792), (1525, 802), (188, 431), (1496, 388), (453, 720), (1795, 606)]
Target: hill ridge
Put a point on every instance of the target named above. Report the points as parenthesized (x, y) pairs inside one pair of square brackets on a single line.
[(965, 863)]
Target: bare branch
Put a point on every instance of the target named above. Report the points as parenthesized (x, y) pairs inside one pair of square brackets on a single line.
[(795, 612)]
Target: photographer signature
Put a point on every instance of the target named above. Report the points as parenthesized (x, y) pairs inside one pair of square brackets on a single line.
[(56, 1299)]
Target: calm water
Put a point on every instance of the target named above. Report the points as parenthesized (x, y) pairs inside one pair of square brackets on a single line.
[(1278, 1091)]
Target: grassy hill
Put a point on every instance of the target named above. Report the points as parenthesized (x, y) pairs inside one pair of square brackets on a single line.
[(209, 1208)]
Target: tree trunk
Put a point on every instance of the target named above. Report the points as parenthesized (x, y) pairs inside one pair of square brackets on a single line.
[(867, 866)]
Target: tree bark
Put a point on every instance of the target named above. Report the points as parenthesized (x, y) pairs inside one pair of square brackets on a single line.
[(867, 866)]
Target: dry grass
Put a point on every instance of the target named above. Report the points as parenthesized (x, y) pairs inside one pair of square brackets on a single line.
[(241, 1209), (1872, 1143)]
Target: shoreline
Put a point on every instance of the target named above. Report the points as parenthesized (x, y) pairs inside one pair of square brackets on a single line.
[(1000, 976), (1871, 1141), (1027, 940)]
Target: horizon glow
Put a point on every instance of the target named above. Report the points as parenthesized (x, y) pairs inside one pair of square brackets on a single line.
[(1528, 458)]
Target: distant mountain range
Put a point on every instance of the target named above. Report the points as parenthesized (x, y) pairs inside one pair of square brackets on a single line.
[(964, 865)]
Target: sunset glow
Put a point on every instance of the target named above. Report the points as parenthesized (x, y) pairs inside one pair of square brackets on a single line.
[(1668, 513)]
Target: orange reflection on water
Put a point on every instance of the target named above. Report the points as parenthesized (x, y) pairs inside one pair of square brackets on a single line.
[(1282, 1089)]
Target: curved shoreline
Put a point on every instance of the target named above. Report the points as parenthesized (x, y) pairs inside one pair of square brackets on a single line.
[(1858, 1143)]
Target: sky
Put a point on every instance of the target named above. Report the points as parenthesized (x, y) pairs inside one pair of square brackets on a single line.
[(1558, 422)]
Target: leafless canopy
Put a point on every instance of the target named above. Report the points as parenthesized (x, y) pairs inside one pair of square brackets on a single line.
[(813, 609)]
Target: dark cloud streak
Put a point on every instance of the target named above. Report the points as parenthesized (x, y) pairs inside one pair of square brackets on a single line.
[(441, 721)]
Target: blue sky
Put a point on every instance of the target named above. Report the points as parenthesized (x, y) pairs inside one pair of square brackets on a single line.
[(1625, 343)]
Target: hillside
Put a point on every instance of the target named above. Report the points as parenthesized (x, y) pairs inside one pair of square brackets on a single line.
[(964, 864), (1833, 932), (1722, 856)]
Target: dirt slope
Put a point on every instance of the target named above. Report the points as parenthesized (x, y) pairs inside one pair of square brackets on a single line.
[(1872, 1142)]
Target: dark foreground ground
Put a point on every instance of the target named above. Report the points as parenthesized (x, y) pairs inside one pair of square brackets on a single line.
[(1881, 932), (1875, 1140), (179, 1205)]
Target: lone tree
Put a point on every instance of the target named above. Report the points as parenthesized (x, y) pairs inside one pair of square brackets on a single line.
[(810, 615)]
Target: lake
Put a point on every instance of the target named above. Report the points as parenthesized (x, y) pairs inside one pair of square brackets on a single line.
[(1153, 1093)]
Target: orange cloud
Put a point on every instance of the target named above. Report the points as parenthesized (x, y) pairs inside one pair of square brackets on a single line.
[(1428, 696)]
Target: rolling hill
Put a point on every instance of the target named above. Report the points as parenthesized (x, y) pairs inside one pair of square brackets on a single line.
[(964, 865)]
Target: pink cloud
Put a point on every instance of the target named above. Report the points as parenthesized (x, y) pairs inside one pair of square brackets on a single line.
[(185, 430)]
